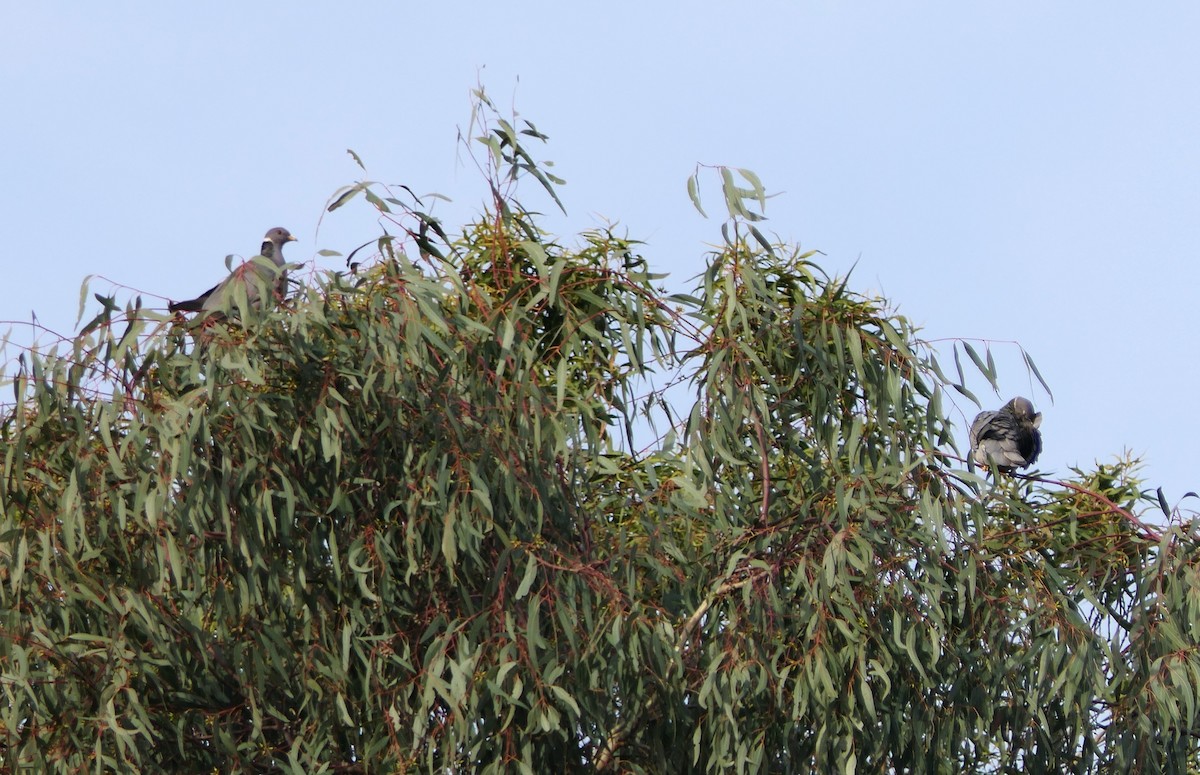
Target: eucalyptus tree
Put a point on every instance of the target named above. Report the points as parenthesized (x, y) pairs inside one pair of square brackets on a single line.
[(494, 501)]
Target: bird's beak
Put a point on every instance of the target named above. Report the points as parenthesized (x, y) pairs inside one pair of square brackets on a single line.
[(291, 239)]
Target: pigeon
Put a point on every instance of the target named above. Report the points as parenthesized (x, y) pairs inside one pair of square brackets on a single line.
[(253, 275), (1008, 438)]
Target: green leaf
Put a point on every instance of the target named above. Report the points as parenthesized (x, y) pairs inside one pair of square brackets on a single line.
[(346, 193), (530, 576), (693, 189), (988, 373), (1033, 367), (1162, 503)]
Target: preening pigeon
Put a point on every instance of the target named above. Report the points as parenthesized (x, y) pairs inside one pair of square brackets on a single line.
[(1008, 438), (252, 275)]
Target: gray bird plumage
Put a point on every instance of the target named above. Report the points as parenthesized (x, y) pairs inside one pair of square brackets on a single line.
[(251, 276), (1008, 438)]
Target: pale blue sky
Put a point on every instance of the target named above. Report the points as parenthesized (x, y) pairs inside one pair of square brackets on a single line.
[(1018, 172)]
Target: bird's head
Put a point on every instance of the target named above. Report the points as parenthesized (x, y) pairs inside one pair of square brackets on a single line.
[(1022, 409), (279, 235), (273, 242)]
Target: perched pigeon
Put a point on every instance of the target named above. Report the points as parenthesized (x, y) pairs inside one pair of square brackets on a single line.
[(1008, 438), (253, 274)]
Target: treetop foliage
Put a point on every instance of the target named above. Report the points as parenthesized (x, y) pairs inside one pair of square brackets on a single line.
[(492, 502)]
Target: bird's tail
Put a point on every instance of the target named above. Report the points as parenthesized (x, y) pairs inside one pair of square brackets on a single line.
[(191, 305)]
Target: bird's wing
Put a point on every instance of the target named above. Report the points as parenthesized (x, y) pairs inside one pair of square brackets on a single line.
[(251, 279), (1035, 445), (979, 427), (1000, 451), (997, 438)]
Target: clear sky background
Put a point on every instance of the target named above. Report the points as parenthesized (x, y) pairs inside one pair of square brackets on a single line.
[(1016, 172)]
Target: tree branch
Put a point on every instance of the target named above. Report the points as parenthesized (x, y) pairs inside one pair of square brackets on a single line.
[(617, 737)]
